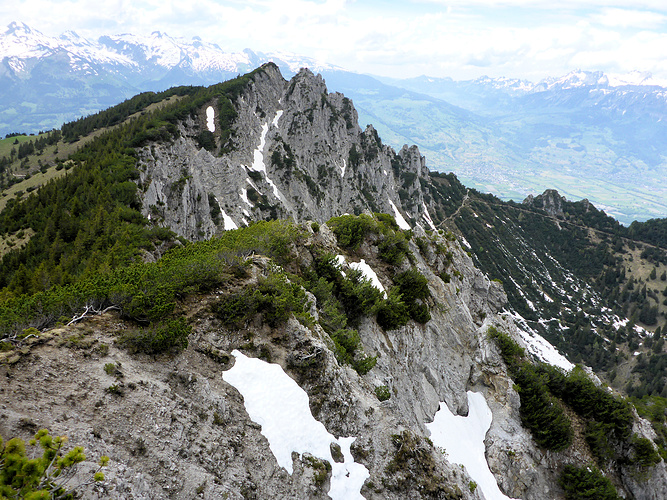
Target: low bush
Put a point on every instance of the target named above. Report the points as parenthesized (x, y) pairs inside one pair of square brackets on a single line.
[(511, 352), (346, 343), (148, 292), (644, 454), (350, 230), (355, 294), (608, 419), (392, 313), (275, 298), (413, 287), (393, 248), (540, 411), (382, 392), (46, 476), (586, 484), (158, 338)]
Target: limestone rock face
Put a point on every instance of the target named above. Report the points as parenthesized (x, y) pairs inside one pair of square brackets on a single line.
[(297, 152), (550, 201)]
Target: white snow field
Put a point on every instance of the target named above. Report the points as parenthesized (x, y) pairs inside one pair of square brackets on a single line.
[(277, 403), (463, 440), (210, 119), (369, 274), (400, 220)]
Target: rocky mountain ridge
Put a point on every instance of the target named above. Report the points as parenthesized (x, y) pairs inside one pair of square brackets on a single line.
[(259, 148), (297, 153), (173, 426)]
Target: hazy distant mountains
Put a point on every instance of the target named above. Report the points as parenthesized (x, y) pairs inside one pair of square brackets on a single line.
[(45, 80), (587, 134)]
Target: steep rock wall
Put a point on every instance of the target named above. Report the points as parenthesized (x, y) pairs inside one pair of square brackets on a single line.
[(297, 153)]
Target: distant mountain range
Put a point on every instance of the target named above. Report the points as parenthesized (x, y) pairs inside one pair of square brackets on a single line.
[(45, 81), (587, 134)]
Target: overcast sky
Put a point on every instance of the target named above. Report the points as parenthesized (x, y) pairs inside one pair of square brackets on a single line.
[(461, 39)]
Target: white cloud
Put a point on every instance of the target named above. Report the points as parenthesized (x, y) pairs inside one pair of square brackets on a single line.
[(624, 18), (457, 38)]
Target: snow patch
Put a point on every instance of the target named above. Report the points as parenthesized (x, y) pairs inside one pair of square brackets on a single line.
[(340, 260), (277, 403), (259, 166), (463, 440), (279, 113), (210, 119), (258, 155), (342, 169), (538, 346), (227, 221), (399, 218), (427, 216), (244, 196), (369, 274)]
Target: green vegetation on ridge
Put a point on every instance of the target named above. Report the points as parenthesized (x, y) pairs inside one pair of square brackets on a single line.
[(607, 419)]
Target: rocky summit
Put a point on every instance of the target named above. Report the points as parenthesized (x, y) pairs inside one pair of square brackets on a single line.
[(305, 313)]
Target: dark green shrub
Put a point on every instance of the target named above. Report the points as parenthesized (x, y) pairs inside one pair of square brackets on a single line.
[(422, 244), (597, 437), (511, 352), (413, 287), (158, 338), (586, 484), (275, 298), (206, 140), (362, 365), (347, 346), (393, 248), (350, 230), (357, 295), (278, 299), (644, 453), (419, 312), (346, 342), (389, 221), (392, 313), (412, 284), (332, 315), (591, 401), (382, 392), (235, 309), (540, 412)]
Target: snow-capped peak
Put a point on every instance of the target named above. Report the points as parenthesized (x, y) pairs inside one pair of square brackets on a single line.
[(574, 79), (637, 78), (20, 42), (579, 79), (157, 50)]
